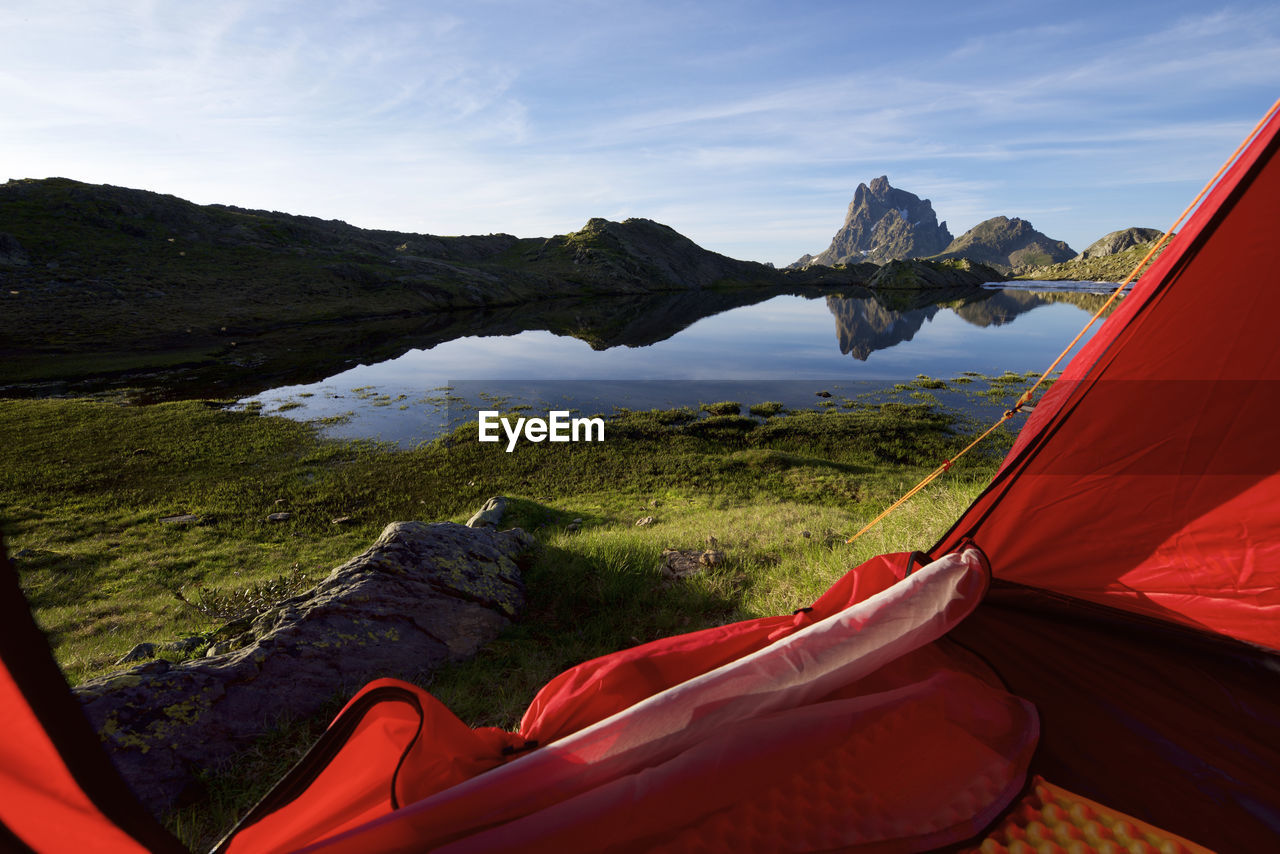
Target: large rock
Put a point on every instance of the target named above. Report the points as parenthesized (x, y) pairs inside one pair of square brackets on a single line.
[(422, 596), (884, 224)]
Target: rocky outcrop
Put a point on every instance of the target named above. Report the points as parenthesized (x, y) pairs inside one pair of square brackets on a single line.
[(885, 224), (422, 596), (1118, 241), (1007, 243)]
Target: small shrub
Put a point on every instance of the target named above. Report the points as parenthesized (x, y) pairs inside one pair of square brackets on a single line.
[(767, 409), (724, 407), (248, 601)]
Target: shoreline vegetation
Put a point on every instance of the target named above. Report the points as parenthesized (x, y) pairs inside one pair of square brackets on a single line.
[(91, 489)]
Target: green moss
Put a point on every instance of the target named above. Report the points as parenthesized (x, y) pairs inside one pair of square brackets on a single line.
[(724, 407), (767, 409)]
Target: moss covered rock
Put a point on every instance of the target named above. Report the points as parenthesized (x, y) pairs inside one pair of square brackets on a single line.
[(422, 596)]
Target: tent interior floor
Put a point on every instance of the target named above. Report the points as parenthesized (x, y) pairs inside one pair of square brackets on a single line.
[(1052, 819)]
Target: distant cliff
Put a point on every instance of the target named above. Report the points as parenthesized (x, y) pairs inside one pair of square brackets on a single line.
[(883, 224)]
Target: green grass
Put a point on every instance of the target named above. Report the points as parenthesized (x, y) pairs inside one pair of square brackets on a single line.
[(85, 483)]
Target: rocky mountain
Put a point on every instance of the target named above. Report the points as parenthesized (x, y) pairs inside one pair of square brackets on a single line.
[(1007, 243), (884, 224), (1118, 241)]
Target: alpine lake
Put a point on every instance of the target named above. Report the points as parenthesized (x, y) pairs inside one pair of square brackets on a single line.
[(973, 351)]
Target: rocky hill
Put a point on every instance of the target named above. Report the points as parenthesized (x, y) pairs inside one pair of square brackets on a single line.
[(1109, 259), (100, 279), (1006, 243), (645, 253), (883, 224), (1119, 241)]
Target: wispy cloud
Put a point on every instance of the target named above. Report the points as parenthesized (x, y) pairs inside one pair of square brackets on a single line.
[(740, 129)]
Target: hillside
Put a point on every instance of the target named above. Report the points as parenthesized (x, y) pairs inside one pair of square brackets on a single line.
[(1007, 243), (100, 279), (1113, 267)]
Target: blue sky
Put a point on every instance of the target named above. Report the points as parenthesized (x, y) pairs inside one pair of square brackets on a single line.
[(745, 126)]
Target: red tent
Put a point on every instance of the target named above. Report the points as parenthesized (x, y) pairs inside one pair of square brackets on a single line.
[(1126, 647)]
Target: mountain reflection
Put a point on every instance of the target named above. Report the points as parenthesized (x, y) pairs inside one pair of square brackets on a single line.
[(647, 327), (865, 324)]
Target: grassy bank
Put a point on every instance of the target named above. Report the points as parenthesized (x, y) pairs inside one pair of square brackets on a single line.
[(86, 484)]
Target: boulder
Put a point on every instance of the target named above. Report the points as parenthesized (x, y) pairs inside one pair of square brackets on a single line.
[(490, 515), (140, 652), (422, 596)]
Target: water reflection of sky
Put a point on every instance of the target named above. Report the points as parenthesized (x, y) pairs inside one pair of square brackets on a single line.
[(787, 342)]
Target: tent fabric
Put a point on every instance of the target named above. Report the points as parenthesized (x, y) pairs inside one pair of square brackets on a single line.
[(1168, 724), (755, 736), (58, 791), (1148, 478)]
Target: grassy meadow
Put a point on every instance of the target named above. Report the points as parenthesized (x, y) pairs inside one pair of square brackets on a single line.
[(85, 485)]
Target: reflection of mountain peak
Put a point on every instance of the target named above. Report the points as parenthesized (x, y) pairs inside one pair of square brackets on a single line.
[(996, 308), (864, 325)]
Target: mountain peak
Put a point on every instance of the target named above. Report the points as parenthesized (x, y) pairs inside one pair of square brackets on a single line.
[(885, 224)]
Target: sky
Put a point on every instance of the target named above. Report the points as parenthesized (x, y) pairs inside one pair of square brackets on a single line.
[(745, 126)]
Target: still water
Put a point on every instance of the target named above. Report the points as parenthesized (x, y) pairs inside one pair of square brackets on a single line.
[(784, 348)]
